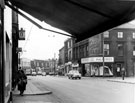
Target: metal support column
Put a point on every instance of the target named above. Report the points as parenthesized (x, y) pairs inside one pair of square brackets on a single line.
[(15, 32), (2, 55)]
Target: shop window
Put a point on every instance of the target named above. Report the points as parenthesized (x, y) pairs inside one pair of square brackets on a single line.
[(120, 50), (120, 34), (106, 70), (134, 50)]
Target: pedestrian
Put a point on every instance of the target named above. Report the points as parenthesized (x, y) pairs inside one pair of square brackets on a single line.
[(22, 81), (123, 72)]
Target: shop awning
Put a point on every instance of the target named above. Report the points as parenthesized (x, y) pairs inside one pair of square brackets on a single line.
[(81, 18)]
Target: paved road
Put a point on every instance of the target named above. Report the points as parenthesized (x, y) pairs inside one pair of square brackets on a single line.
[(86, 90)]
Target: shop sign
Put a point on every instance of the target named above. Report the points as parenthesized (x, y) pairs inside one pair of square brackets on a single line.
[(97, 59), (21, 34), (18, 49)]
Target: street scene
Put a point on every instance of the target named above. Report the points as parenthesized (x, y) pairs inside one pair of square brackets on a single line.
[(86, 90), (67, 51)]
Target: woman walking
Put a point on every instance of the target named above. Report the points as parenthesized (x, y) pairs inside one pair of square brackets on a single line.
[(22, 81)]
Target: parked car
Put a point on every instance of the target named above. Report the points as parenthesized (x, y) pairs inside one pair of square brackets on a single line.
[(74, 74), (33, 73), (43, 73), (39, 73)]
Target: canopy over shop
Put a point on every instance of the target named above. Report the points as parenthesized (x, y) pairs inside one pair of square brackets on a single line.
[(80, 18)]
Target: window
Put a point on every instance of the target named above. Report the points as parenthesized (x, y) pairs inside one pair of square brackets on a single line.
[(120, 34), (68, 44), (134, 50), (69, 56), (37, 64), (120, 50), (106, 49), (106, 34), (134, 35)]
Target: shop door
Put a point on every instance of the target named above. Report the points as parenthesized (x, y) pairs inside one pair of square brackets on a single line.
[(118, 70)]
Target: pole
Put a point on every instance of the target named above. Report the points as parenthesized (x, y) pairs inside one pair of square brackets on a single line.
[(2, 57), (103, 53), (54, 62)]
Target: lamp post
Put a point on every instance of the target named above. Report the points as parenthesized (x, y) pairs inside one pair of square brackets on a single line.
[(103, 52)]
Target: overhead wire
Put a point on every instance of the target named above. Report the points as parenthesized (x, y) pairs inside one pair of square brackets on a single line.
[(28, 37)]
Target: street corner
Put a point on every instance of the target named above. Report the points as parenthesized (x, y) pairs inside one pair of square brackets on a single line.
[(38, 93)]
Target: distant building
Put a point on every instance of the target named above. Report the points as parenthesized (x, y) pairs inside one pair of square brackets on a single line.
[(119, 51), (114, 48), (80, 50), (39, 65), (61, 61), (26, 65), (68, 47)]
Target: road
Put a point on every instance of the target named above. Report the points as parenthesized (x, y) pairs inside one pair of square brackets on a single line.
[(86, 90)]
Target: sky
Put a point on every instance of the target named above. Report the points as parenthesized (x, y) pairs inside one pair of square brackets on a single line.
[(38, 43)]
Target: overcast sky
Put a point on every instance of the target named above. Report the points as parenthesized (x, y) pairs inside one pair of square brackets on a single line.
[(40, 44)]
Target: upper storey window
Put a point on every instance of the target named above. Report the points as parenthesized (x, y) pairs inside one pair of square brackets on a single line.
[(120, 34)]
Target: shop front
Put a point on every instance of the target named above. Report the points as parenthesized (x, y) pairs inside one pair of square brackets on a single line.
[(94, 66)]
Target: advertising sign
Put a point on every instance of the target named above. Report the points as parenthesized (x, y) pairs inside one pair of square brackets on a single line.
[(97, 59)]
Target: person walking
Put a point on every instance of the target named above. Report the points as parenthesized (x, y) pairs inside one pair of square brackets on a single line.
[(22, 81)]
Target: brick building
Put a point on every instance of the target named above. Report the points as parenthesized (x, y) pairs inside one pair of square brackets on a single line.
[(68, 47), (61, 61), (80, 50), (119, 51)]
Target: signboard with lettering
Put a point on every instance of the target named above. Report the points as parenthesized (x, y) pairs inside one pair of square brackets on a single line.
[(97, 59)]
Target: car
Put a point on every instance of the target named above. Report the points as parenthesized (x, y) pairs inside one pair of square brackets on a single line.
[(43, 73), (39, 73), (33, 73), (74, 74)]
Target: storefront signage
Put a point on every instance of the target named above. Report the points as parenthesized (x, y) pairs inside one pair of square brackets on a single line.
[(21, 34), (97, 59)]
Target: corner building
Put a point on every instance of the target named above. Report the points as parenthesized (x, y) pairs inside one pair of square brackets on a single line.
[(119, 51)]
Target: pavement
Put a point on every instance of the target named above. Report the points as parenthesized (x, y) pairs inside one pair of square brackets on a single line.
[(128, 80), (32, 90)]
